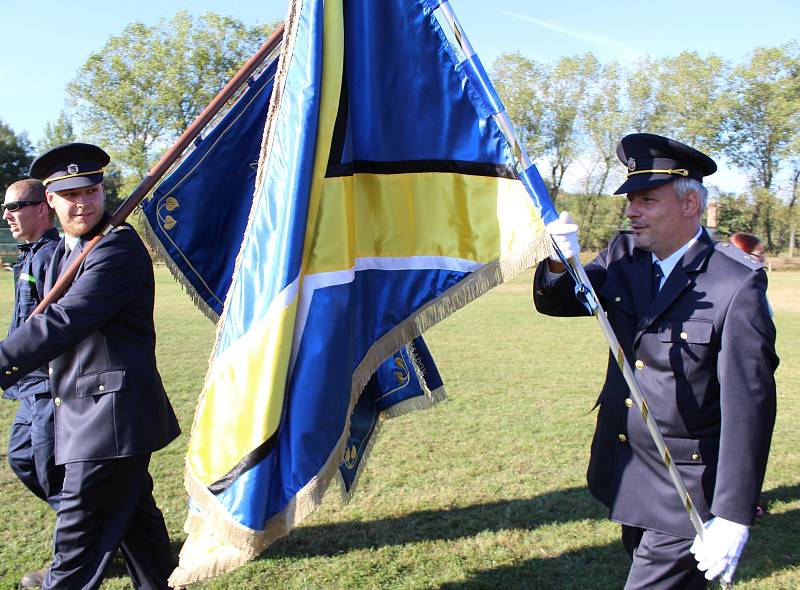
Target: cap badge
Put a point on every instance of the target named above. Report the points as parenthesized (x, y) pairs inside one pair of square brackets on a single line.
[(631, 164), (72, 169)]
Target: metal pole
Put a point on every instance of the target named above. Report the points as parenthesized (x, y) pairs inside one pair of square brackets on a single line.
[(638, 397), (507, 129), (163, 165)]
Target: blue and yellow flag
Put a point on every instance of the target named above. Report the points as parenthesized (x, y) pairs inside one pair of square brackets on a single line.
[(386, 199), (196, 218)]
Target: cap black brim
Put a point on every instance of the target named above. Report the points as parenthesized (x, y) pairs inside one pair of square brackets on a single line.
[(66, 184), (643, 182)]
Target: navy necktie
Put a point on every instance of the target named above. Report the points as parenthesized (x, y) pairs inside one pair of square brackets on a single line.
[(69, 255), (658, 274), (63, 263)]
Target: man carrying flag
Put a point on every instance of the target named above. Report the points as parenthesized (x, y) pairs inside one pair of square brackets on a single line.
[(693, 318), (111, 411)]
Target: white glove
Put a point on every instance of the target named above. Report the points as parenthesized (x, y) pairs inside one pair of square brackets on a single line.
[(719, 551), (564, 234)]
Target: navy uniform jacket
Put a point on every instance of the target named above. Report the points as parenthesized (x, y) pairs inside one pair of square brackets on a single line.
[(705, 356), (99, 340), (29, 272)]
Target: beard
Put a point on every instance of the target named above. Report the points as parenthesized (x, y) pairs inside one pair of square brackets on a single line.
[(644, 241)]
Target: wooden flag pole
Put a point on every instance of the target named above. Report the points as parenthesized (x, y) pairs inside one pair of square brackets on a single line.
[(163, 165)]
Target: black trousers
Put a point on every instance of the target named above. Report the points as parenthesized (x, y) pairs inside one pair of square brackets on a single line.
[(106, 505), (31, 448), (660, 561)]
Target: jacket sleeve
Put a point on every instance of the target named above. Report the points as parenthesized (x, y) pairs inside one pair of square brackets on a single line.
[(558, 299), (39, 264), (745, 370), (112, 276)]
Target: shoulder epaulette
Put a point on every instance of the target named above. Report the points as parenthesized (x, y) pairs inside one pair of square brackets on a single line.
[(743, 258), (121, 227)]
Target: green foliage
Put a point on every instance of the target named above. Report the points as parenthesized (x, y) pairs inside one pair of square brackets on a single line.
[(641, 94), (146, 85), (520, 82), (606, 120), (113, 184), (15, 155), (565, 104), (571, 114), (486, 490), (733, 214), (546, 103), (761, 115), (758, 212), (689, 93), (57, 133), (599, 216)]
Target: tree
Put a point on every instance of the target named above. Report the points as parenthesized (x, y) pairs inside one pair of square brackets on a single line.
[(145, 86), (688, 94), (761, 117), (641, 90), (606, 119), (565, 100), (57, 133), (545, 103), (15, 155), (734, 213), (519, 82), (794, 193)]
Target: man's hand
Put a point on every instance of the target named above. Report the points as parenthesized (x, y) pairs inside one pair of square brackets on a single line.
[(564, 234), (719, 551)]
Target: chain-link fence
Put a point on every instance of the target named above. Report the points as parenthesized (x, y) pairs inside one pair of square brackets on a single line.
[(8, 247)]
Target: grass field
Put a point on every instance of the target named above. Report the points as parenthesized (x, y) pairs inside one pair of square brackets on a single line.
[(486, 490)]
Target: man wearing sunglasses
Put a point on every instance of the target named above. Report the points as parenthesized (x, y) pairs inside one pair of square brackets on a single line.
[(111, 410), (31, 454)]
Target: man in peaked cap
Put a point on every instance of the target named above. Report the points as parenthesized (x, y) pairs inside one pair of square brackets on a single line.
[(111, 411), (692, 317)]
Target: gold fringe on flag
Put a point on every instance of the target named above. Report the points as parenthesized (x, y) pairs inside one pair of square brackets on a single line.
[(217, 544)]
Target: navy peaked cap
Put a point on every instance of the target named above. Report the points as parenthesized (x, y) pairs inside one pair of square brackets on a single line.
[(653, 160), (70, 166)]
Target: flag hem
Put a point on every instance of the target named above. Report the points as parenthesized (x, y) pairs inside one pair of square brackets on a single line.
[(413, 404), (251, 542), (161, 255)]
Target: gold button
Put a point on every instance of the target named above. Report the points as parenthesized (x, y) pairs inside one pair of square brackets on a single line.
[(684, 336), (622, 438), (639, 365), (8, 372), (57, 401), (102, 388), (617, 299), (628, 402), (695, 456), (15, 369)]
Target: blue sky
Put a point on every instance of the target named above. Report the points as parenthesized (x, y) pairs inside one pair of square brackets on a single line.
[(42, 48)]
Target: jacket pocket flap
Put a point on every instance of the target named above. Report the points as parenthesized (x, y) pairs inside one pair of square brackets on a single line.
[(698, 451), (691, 331), (100, 383)]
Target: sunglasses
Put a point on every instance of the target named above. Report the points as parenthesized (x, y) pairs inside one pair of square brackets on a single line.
[(16, 205)]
